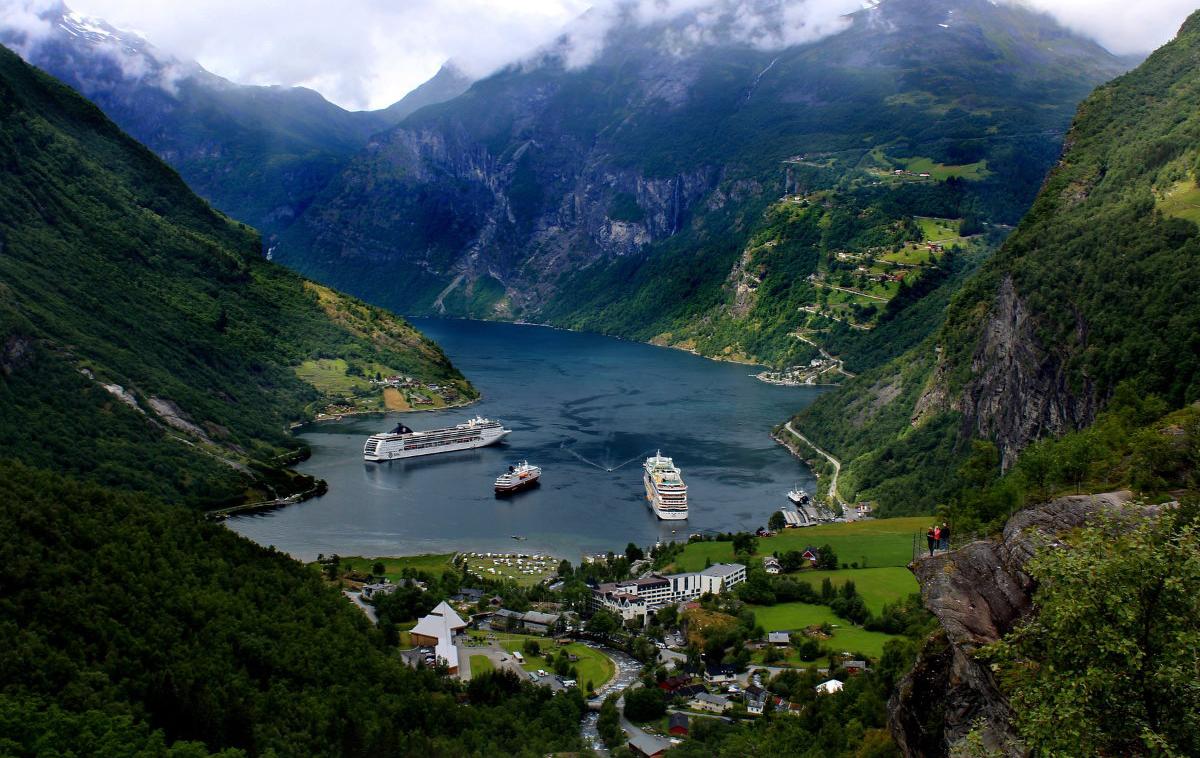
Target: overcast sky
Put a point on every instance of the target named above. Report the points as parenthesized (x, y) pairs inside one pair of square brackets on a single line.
[(369, 53)]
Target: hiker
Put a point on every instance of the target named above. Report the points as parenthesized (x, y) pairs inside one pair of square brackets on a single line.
[(929, 540), (945, 537), (937, 537)]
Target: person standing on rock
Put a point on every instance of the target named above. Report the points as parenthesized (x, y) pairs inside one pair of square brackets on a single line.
[(945, 537), (930, 540), (937, 537)]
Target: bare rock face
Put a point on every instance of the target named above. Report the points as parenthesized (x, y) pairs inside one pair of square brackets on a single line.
[(1019, 390), (978, 593)]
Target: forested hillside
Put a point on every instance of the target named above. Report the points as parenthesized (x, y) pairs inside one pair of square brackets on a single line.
[(132, 627), (144, 340), (1091, 293)]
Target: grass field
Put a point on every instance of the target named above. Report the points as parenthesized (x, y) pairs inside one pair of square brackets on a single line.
[(497, 567), (877, 543), (393, 567), (913, 255), (797, 616), (878, 586), (593, 666), (1182, 201), (939, 229), (942, 171), (329, 376), (480, 664)]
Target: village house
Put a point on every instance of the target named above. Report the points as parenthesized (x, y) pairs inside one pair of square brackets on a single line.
[(829, 687), (677, 724), (756, 700), (771, 564), (779, 639), (811, 554), (689, 691), (707, 701), (648, 745), (854, 668), (720, 673), (530, 622)]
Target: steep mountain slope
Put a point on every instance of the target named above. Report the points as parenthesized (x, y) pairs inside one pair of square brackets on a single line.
[(448, 83), (1092, 290), (619, 195), (257, 153), (144, 340)]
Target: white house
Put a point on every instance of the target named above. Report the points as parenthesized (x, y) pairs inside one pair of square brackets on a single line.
[(829, 687)]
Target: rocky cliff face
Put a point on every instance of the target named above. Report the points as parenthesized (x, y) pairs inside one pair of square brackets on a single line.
[(1019, 390), (978, 593)]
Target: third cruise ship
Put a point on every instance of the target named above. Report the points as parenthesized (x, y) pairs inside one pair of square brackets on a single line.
[(665, 490)]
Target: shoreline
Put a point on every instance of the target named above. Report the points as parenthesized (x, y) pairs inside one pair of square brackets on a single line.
[(650, 343)]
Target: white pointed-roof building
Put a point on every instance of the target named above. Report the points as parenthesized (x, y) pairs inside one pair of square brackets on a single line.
[(437, 630)]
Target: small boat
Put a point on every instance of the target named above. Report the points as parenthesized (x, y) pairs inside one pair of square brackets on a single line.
[(798, 496), (518, 477)]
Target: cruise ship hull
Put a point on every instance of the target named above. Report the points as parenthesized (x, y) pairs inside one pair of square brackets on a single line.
[(397, 451), (525, 484), (652, 499)]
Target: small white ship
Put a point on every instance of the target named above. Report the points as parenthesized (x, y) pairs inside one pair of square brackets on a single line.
[(665, 490), (798, 496), (518, 477), (403, 442)]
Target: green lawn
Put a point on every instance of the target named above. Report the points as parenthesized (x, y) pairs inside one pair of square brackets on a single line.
[(593, 666), (942, 171), (480, 664), (881, 543), (915, 255), (797, 616), (938, 229), (878, 586), (329, 376), (393, 566), (492, 568), (1182, 201)]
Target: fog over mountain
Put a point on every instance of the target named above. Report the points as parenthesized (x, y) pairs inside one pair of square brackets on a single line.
[(369, 54)]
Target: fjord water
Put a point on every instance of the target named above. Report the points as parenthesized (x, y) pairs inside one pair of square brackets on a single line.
[(587, 409)]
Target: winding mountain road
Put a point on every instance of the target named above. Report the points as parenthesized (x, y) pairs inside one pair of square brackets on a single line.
[(837, 465)]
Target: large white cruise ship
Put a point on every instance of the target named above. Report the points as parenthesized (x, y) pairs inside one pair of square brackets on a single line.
[(403, 442), (665, 489)]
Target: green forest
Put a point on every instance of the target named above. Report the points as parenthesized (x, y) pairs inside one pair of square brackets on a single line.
[(146, 342)]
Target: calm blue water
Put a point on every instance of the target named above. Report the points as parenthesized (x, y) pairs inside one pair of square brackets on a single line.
[(587, 409)]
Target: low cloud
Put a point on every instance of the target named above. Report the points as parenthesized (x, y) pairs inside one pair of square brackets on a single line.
[(369, 53), (1122, 26)]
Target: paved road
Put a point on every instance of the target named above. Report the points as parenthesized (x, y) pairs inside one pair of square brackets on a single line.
[(367, 608), (837, 465)]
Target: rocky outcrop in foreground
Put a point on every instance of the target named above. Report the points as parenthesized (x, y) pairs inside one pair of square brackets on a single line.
[(978, 593)]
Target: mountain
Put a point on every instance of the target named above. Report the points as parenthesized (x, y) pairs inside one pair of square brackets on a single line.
[(259, 154), (145, 342), (448, 83), (620, 195), (1085, 313)]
